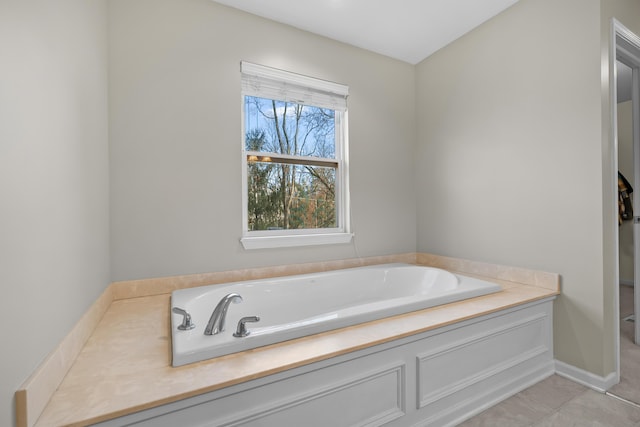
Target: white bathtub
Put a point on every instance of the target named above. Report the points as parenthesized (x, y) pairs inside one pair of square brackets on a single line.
[(295, 306)]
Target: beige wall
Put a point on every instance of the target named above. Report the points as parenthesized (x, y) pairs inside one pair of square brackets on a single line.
[(54, 253), (175, 137), (510, 138), (514, 127)]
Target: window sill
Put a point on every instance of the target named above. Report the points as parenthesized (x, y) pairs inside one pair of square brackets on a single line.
[(265, 242)]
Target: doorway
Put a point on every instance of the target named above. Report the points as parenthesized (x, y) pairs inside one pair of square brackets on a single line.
[(626, 128)]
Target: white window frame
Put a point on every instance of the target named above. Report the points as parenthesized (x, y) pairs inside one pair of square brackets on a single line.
[(272, 83)]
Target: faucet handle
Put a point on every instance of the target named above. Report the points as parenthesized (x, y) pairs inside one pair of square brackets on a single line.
[(241, 331), (186, 324)]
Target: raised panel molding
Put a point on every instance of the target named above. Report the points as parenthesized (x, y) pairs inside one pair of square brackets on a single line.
[(366, 394), (521, 340), (504, 387), (460, 385)]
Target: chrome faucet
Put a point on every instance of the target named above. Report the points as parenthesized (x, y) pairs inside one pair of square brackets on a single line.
[(216, 321)]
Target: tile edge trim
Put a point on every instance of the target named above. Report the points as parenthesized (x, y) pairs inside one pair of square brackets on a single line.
[(34, 394)]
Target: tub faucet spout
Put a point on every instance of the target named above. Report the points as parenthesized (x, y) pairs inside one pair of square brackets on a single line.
[(217, 319)]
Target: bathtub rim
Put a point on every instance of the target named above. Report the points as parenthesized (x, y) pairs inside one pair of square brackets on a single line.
[(191, 348)]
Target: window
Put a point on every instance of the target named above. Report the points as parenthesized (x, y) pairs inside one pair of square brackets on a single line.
[(294, 157)]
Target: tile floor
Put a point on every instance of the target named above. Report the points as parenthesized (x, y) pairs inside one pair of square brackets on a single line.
[(559, 402)]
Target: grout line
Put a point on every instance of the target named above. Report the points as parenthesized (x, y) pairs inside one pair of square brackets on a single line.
[(622, 399)]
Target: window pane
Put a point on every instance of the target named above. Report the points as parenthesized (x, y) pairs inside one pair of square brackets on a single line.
[(286, 196), (289, 128), (286, 193)]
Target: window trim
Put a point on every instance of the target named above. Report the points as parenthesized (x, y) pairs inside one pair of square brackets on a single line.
[(295, 86)]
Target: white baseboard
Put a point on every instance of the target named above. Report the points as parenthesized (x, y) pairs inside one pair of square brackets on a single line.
[(586, 378)]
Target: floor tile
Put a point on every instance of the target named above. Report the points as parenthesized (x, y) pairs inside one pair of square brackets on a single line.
[(517, 411), (560, 419), (593, 408), (553, 392)]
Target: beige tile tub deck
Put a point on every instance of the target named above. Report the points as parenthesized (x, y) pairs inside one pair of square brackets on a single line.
[(125, 366)]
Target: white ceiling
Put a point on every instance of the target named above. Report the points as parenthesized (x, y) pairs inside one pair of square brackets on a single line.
[(408, 30)]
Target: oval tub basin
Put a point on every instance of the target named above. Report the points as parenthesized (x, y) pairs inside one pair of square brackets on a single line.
[(295, 306)]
